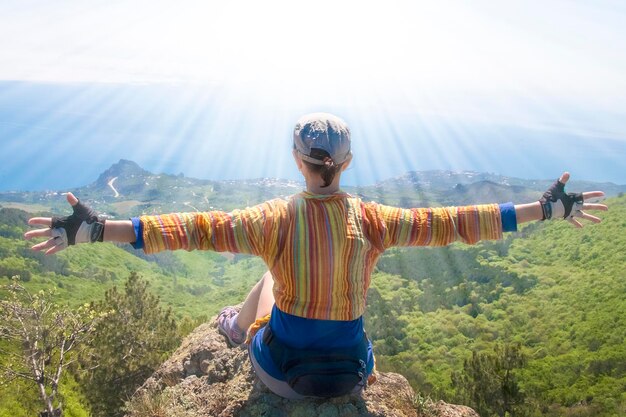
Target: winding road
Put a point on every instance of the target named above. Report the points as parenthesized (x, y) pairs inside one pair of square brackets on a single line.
[(110, 184)]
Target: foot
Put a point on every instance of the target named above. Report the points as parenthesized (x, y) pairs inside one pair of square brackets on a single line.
[(227, 325)]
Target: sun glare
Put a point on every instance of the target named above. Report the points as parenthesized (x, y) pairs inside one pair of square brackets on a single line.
[(429, 85)]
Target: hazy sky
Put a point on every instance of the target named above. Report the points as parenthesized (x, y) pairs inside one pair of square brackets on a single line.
[(566, 48), (458, 77)]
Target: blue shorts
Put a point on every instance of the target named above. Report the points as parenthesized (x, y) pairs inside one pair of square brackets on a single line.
[(303, 333)]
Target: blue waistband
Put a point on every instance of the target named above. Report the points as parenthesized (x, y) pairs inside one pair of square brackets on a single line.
[(303, 333)]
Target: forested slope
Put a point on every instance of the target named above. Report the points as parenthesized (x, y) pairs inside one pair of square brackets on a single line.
[(194, 284), (557, 291)]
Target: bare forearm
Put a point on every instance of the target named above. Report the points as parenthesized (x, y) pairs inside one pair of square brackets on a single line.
[(526, 212), (119, 231)]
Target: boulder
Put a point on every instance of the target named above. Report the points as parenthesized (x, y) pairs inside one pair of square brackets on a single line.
[(206, 377)]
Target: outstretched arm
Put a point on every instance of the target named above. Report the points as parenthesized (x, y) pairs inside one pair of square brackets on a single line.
[(441, 226), (240, 231), (82, 226)]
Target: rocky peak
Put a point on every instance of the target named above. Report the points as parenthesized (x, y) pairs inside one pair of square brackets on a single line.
[(123, 169), (205, 377)]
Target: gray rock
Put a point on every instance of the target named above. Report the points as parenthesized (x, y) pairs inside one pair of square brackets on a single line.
[(205, 377)]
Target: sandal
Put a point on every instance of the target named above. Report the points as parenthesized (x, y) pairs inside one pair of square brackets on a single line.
[(225, 325)]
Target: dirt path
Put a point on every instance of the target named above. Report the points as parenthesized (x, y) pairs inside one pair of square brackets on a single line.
[(110, 184)]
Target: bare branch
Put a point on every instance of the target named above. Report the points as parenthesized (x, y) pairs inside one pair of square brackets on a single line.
[(45, 333), (57, 376), (16, 374)]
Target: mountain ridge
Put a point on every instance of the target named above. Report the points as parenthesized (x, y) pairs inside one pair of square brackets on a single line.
[(125, 188)]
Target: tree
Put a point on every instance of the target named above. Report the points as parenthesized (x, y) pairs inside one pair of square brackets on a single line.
[(128, 346), (488, 381), (43, 339), (383, 324)]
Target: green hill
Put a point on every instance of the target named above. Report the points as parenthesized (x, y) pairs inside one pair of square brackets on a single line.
[(194, 284), (557, 290)]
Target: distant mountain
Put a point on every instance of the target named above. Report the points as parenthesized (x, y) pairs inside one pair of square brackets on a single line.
[(484, 192), (419, 188), (438, 179), (127, 189), (126, 181), (125, 169)]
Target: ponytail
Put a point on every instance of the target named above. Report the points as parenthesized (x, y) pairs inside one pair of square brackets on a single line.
[(328, 170)]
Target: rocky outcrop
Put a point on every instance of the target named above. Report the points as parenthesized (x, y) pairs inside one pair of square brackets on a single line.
[(205, 377)]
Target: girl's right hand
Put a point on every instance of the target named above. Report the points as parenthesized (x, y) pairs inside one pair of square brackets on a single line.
[(82, 226)]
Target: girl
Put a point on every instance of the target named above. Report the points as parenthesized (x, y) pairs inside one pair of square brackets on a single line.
[(320, 247)]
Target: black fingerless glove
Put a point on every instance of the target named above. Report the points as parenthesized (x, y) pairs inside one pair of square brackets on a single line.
[(83, 226), (555, 203)]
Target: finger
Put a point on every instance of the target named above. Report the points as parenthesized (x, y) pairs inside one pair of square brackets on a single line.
[(564, 177), (575, 223), (71, 198), (594, 219), (589, 206), (45, 245), (55, 249), (38, 233), (592, 194), (43, 221)]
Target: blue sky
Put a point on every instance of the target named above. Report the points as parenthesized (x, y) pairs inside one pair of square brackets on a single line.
[(211, 89)]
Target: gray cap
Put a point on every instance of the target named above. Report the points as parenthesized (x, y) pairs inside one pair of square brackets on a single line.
[(322, 131)]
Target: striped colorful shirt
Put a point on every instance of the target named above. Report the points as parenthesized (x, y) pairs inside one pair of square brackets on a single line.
[(321, 249)]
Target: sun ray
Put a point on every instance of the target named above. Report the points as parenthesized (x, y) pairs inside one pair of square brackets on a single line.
[(212, 89)]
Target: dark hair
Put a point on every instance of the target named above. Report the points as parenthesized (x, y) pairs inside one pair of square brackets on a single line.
[(326, 171)]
